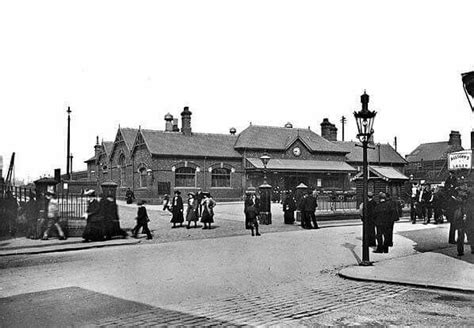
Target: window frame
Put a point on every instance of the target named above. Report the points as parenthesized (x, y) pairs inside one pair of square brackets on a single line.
[(217, 175), (185, 176)]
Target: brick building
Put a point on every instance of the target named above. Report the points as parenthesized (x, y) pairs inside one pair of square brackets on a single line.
[(429, 160), (155, 162)]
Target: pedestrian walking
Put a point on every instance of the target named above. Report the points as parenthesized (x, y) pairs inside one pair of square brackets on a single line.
[(142, 221), (94, 230), (310, 204), (166, 203), (208, 205), (251, 211), (177, 209), (383, 215), (192, 210), (52, 217), (109, 210), (289, 207)]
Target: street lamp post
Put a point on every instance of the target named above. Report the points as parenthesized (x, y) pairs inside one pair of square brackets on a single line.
[(365, 120), (265, 194)]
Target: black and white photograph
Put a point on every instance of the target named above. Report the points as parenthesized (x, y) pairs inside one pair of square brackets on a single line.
[(266, 163)]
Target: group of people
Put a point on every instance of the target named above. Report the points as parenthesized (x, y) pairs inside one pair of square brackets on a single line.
[(380, 218), (200, 207), (102, 221), (306, 205), (426, 204), (458, 207)]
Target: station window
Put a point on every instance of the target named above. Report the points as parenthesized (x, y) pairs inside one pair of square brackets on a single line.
[(185, 177), (220, 178)]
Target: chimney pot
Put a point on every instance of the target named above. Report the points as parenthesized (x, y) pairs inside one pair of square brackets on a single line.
[(455, 139), (232, 131)]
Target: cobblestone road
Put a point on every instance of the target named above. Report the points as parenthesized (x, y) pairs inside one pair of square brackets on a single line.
[(282, 304)]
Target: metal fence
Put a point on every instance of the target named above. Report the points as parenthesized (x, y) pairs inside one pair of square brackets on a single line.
[(21, 194), (72, 207), (332, 203)]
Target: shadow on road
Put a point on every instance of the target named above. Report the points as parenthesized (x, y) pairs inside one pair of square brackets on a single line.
[(436, 241)]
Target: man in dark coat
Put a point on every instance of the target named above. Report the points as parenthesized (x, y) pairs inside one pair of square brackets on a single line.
[(32, 216), (289, 207), (251, 211), (370, 225), (395, 216), (142, 221), (309, 207), (427, 204), (383, 219), (177, 209)]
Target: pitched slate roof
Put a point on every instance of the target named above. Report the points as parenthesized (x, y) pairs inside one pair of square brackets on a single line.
[(277, 138), (388, 155), (302, 165), (432, 151), (197, 144), (129, 135)]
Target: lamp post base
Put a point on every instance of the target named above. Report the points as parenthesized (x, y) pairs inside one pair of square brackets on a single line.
[(365, 263)]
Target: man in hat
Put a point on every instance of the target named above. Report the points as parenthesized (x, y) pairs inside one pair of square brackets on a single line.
[(53, 216), (383, 215), (177, 209), (251, 211), (370, 224), (142, 221), (95, 229), (310, 204)]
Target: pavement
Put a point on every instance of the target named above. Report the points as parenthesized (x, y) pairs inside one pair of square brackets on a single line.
[(408, 263)]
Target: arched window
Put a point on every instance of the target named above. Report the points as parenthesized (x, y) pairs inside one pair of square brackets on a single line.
[(220, 178), (143, 177), (185, 177), (122, 170)]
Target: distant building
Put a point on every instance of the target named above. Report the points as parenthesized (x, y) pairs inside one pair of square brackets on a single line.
[(429, 160), (156, 162)]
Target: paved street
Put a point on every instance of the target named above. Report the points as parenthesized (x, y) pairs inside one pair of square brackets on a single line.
[(231, 279)]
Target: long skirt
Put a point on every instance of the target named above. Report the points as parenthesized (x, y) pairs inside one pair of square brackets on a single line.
[(177, 217), (251, 221), (94, 229), (207, 217), (289, 217), (191, 215)]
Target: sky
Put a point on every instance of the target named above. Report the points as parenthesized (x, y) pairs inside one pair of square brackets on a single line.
[(129, 63)]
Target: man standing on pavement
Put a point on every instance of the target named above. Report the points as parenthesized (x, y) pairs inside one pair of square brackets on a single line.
[(450, 205), (383, 219), (309, 207), (370, 225)]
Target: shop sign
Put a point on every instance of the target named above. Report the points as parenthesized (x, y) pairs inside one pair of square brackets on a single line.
[(460, 160)]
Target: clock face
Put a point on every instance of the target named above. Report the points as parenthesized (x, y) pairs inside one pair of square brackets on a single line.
[(296, 151)]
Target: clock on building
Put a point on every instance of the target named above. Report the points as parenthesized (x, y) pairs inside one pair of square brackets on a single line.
[(297, 151)]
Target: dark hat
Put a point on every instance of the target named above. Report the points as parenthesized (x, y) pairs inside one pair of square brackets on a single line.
[(177, 192), (191, 194)]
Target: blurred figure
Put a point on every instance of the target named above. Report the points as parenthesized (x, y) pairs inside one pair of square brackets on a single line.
[(32, 215), (177, 209), (310, 204), (251, 211), (383, 219), (129, 196), (109, 211), (289, 207), (94, 230), (142, 221), (52, 216)]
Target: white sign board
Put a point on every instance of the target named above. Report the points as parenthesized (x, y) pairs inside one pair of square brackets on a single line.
[(460, 160)]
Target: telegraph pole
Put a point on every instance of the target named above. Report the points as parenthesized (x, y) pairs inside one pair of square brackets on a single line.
[(68, 157), (343, 121)]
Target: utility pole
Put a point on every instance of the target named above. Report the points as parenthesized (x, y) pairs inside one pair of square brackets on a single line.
[(343, 121), (68, 158)]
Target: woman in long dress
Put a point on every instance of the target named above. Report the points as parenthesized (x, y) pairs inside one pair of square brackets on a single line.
[(94, 230), (191, 211), (208, 205), (177, 209)]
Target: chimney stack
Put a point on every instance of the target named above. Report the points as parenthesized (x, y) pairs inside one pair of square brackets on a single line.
[(175, 125), (328, 130), (169, 122), (454, 139), (186, 121)]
